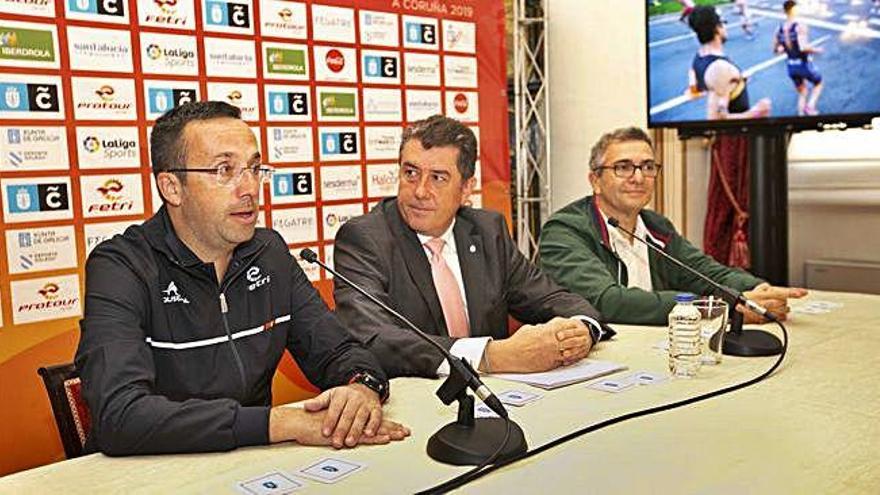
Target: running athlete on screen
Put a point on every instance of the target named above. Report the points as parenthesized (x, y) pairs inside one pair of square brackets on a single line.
[(792, 38)]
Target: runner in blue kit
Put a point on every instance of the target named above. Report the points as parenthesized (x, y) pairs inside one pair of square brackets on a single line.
[(716, 75), (792, 39)]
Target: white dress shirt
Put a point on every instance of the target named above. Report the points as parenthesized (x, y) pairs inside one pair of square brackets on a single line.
[(634, 254)]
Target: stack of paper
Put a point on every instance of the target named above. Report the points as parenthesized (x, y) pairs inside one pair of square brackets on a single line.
[(583, 370)]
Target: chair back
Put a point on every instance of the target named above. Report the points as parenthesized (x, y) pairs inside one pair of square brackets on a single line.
[(71, 412)]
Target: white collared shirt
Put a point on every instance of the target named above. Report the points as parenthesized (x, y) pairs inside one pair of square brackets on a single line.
[(470, 348), (634, 255)]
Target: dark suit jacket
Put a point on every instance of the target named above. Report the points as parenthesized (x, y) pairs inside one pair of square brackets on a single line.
[(382, 254)]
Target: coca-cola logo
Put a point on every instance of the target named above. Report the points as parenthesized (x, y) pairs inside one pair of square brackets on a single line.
[(335, 60), (461, 103)]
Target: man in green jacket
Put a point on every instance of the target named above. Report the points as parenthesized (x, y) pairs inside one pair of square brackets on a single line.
[(621, 277)]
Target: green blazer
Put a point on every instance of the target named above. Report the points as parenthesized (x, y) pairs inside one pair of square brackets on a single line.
[(575, 251)]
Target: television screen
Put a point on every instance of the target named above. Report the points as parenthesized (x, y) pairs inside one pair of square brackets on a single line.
[(800, 63)]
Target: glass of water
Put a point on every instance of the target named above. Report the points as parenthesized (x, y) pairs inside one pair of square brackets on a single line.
[(713, 324)]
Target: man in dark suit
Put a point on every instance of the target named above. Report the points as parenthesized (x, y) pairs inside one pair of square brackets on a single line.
[(454, 271)]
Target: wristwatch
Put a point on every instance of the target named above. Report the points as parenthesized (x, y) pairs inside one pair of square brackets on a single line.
[(377, 385)]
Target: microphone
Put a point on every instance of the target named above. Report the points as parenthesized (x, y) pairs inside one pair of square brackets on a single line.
[(737, 342), (468, 440), (471, 377)]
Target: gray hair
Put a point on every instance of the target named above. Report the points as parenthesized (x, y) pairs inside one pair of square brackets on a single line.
[(621, 135)]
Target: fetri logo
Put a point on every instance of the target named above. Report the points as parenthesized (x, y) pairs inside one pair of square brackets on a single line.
[(168, 6), (49, 291), (111, 190), (335, 60), (92, 144), (113, 200), (106, 93), (461, 103)]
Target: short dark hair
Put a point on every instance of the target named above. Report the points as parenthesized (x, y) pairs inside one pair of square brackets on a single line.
[(167, 149), (438, 130), (704, 20), (624, 134), (788, 5)]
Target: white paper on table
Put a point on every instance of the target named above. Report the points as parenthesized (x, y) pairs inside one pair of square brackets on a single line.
[(583, 370)]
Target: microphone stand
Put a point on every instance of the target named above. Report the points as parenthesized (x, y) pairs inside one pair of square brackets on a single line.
[(468, 441), (738, 341)]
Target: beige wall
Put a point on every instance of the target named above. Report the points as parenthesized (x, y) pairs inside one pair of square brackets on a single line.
[(834, 198), (597, 82)]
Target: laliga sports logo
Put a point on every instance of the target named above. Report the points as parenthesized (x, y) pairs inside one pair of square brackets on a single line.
[(154, 52), (335, 60), (49, 291), (461, 103), (111, 190), (106, 93), (332, 219), (91, 144)]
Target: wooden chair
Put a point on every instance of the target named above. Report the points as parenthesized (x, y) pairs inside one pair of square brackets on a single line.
[(68, 406)]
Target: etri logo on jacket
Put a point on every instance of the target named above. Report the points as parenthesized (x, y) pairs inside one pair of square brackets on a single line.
[(256, 278)]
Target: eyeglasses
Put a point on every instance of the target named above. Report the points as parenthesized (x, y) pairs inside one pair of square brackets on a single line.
[(625, 169), (226, 173)]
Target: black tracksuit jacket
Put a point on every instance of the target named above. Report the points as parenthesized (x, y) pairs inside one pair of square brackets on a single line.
[(165, 369)]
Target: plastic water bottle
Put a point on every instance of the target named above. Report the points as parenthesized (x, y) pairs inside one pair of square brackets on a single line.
[(685, 340)]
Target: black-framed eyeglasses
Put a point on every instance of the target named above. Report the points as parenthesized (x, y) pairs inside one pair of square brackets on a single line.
[(625, 169), (226, 174)]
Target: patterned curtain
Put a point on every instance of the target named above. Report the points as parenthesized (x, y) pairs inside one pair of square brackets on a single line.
[(725, 235)]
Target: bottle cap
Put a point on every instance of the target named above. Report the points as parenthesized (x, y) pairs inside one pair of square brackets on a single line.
[(683, 297)]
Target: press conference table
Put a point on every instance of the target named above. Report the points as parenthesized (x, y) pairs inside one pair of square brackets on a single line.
[(812, 427)]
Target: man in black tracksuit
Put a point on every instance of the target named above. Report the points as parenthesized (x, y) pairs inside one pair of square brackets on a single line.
[(188, 314)]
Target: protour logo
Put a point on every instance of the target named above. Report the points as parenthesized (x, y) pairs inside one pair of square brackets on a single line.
[(50, 298), (45, 299), (106, 101)]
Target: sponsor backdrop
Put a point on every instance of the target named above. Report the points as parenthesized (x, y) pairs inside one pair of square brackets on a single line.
[(325, 85)]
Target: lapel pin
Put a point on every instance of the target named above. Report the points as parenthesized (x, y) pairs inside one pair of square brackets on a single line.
[(472, 249)]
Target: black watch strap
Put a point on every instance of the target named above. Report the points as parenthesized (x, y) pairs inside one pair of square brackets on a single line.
[(367, 379)]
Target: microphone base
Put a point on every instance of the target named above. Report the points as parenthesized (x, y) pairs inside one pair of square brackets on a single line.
[(463, 445), (751, 342)]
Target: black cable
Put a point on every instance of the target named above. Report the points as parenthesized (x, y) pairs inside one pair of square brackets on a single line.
[(474, 474), (489, 460)]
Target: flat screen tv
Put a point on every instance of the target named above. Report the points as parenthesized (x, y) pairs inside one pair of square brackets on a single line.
[(747, 63)]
